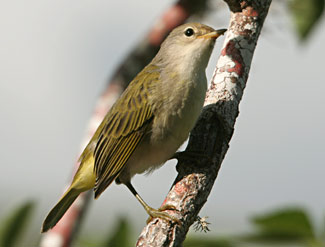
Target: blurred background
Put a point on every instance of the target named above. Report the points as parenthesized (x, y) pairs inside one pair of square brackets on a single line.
[(56, 58)]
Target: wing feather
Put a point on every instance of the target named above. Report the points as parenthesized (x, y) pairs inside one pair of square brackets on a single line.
[(122, 129)]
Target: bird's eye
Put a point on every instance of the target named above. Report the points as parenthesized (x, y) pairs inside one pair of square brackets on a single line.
[(189, 32)]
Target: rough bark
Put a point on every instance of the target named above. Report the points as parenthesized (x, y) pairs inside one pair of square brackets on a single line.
[(214, 129), (66, 229)]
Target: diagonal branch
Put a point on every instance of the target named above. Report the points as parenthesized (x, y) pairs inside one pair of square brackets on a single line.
[(214, 129)]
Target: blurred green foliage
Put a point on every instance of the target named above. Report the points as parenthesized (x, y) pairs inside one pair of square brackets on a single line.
[(290, 225), (15, 224), (305, 14), (282, 227), (121, 236), (207, 242)]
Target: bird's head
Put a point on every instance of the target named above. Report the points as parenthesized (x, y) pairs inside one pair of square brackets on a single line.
[(188, 46)]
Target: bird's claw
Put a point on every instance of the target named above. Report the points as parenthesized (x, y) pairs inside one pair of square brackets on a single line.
[(158, 213)]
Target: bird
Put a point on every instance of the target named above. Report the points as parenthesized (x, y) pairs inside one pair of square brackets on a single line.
[(149, 122)]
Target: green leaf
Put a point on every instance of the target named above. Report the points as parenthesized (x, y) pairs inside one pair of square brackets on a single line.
[(121, 235), (14, 225), (206, 242), (305, 14), (286, 224)]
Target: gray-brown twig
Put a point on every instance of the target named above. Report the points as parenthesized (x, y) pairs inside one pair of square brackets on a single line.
[(214, 129)]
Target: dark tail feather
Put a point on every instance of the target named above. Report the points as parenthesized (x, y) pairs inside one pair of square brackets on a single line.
[(59, 209)]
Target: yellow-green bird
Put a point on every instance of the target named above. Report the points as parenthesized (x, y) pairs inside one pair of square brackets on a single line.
[(150, 120)]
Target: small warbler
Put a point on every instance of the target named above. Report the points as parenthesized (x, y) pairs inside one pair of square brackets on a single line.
[(150, 120)]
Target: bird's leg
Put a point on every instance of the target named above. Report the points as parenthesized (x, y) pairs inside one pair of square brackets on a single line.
[(153, 213)]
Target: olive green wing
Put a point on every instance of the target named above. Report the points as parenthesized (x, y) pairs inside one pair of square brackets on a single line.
[(122, 130)]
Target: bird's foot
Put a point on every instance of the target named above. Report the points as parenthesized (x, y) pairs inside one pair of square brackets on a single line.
[(158, 213)]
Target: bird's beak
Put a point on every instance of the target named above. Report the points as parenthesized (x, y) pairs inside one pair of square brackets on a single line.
[(213, 35)]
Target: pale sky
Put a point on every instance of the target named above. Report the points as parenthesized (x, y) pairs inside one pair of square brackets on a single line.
[(56, 57)]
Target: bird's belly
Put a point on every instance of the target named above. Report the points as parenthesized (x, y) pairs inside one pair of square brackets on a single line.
[(162, 142), (150, 155)]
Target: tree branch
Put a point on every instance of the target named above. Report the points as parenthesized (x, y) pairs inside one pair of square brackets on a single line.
[(214, 129)]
